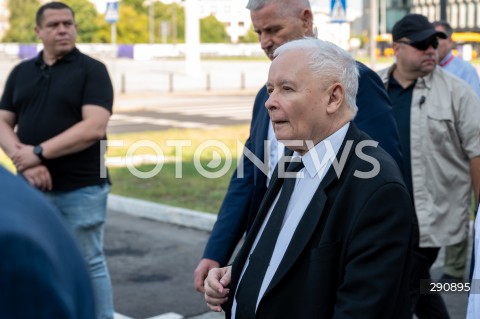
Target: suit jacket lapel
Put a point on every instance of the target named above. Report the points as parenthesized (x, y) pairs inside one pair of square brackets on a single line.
[(309, 222), (239, 261)]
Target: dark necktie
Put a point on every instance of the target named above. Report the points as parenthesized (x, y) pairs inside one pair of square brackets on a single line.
[(251, 282)]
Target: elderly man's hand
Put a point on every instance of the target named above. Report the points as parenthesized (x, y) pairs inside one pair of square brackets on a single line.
[(216, 291), (201, 272)]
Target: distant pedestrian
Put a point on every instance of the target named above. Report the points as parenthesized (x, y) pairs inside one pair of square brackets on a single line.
[(60, 103), (454, 64)]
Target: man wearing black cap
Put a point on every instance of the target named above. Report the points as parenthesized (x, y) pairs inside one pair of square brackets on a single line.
[(437, 116)]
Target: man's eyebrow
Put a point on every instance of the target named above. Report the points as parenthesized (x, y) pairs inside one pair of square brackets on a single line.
[(285, 81)]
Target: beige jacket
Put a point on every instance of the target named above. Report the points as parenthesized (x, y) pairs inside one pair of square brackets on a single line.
[(444, 136)]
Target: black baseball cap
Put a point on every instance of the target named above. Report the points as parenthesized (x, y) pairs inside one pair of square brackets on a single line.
[(415, 27)]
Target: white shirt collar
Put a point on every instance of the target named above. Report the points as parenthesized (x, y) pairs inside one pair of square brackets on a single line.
[(317, 158)]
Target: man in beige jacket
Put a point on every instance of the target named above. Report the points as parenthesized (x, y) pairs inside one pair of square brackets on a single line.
[(438, 118)]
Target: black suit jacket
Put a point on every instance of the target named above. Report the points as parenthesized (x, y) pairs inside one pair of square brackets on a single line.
[(245, 194), (349, 255)]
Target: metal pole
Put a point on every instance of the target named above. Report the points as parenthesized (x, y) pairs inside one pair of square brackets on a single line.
[(170, 82), (373, 31), (174, 24), (151, 22), (443, 10), (383, 16), (113, 33), (113, 38), (208, 82)]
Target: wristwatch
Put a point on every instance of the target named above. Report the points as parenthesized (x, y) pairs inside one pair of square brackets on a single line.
[(38, 150)]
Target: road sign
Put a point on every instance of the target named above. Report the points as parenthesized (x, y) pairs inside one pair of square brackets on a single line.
[(111, 13), (338, 11)]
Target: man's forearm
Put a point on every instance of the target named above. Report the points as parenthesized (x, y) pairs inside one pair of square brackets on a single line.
[(75, 139), (80, 136), (8, 139)]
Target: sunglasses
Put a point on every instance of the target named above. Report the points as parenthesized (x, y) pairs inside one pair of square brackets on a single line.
[(422, 45)]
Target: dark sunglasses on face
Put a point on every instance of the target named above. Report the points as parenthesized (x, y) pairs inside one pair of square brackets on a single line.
[(422, 45)]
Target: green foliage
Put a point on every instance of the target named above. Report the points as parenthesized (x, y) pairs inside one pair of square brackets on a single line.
[(22, 21), (174, 14), (250, 37), (85, 13), (212, 31), (137, 5), (132, 27)]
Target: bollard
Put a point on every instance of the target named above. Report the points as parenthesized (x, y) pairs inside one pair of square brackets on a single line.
[(242, 81), (170, 82), (208, 81), (122, 84)]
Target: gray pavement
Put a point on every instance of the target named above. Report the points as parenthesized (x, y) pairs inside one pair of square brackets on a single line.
[(152, 250)]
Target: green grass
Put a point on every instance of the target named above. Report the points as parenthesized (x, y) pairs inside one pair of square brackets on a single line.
[(192, 191)]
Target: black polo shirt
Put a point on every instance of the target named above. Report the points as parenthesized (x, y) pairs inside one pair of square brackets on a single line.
[(401, 102), (48, 100)]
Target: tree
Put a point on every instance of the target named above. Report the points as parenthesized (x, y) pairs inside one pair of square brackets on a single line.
[(22, 21), (132, 27), (250, 37), (174, 14), (212, 30), (85, 13), (137, 5)]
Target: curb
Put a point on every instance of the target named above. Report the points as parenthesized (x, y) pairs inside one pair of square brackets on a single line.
[(163, 213)]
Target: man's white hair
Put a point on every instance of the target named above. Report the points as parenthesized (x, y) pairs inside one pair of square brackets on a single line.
[(285, 6), (328, 61)]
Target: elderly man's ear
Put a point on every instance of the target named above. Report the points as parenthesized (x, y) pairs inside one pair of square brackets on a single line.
[(337, 94)]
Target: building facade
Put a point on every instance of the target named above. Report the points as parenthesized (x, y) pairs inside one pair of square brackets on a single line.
[(463, 15)]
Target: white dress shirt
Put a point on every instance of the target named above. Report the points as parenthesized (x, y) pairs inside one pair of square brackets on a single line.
[(317, 161), (276, 150)]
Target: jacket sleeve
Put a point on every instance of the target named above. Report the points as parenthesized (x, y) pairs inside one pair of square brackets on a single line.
[(378, 251), (234, 214), (30, 285)]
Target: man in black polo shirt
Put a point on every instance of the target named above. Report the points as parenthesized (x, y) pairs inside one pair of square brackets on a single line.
[(61, 102)]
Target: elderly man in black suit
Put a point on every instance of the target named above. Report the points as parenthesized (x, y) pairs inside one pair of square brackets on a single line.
[(340, 246)]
